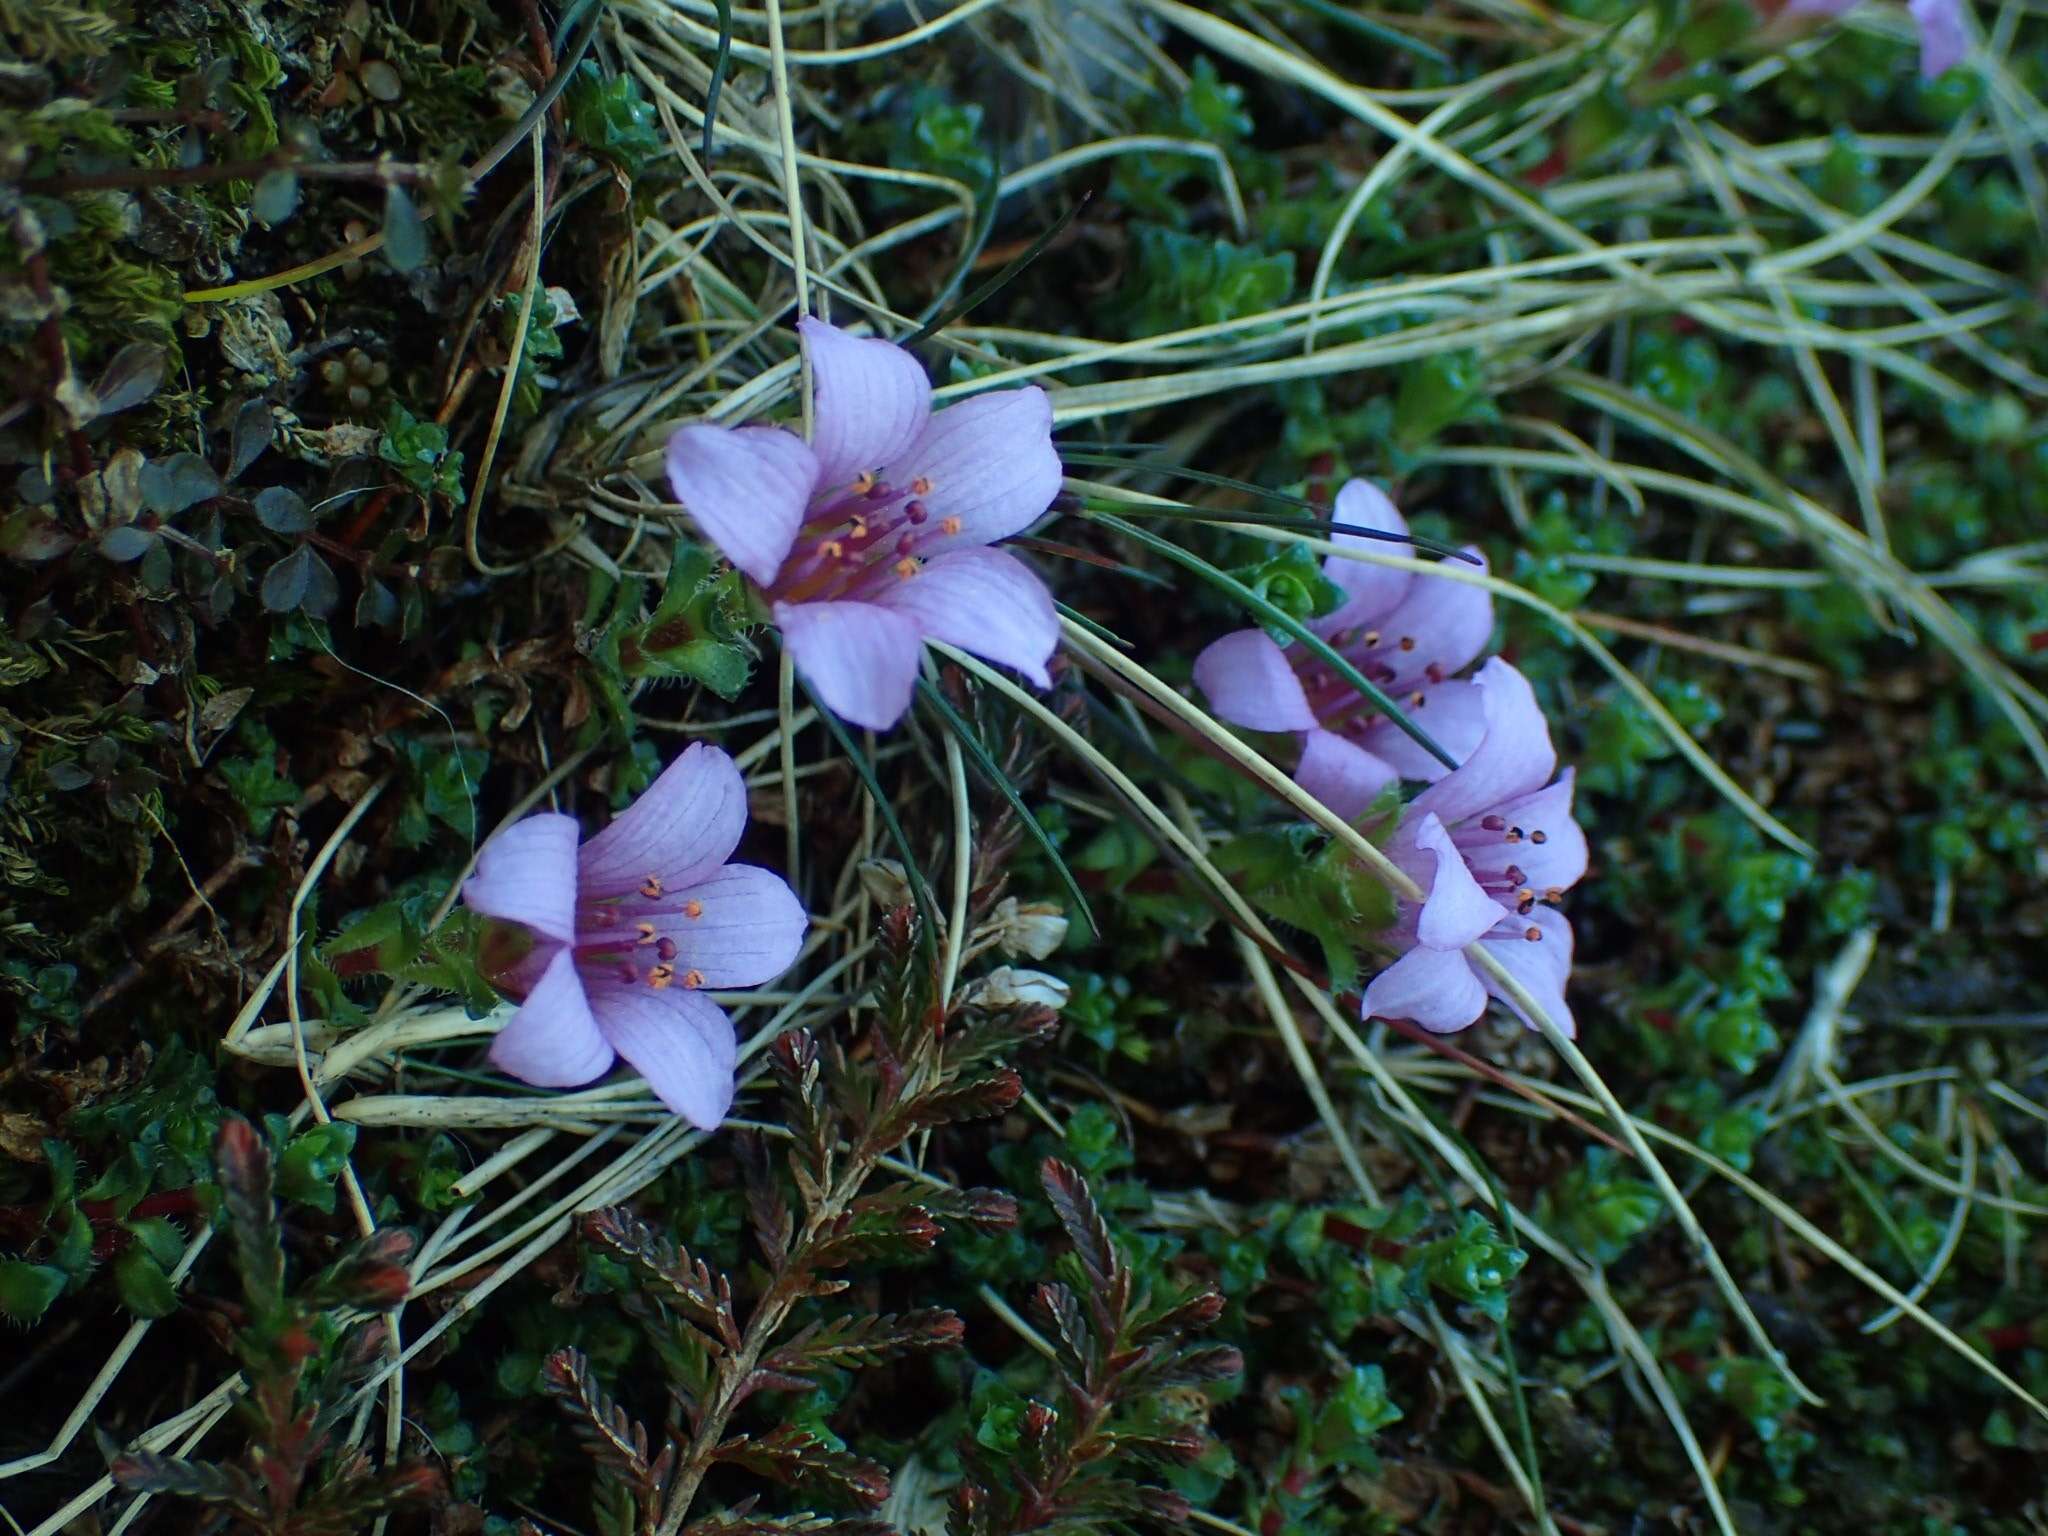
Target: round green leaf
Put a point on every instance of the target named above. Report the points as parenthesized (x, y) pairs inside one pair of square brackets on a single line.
[(26, 1290), (144, 1288)]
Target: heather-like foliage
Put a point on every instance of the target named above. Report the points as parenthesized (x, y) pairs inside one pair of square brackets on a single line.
[(303, 1350), (817, 1210)]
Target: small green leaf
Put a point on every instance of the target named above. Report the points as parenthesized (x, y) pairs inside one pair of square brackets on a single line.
[(131, 376), (376, 607), (694, 633), (171, 485), (285, 583), (282, 511), (249, 437), (126, 543), (275, 198), (611, 116), (309, 1164), (27, 1290), (144, 1288), (405, 232)]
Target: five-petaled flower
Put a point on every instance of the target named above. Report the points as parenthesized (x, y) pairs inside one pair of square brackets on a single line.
[(871, 537), (1405, 632), (1944, 40), (627, 930), (1493, 846)]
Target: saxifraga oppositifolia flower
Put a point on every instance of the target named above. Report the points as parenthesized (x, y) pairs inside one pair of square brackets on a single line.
[(1407, 633), (622, 934), (1944, 37), (873, 536), (1493, 847)]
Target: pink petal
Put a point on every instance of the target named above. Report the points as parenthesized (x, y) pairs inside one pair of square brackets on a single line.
[(1456, 911), (982, 600), (1513, 758), (1454, 714), (1542, 966), (1944, 40), (1341, 774), (1370, 590), (683, 826), (1438, 623), (862, 659), (748, 929), (991, 464), (869, 401), (1559, 861), (1250, 682), (747, 488), (680, 1041), (527, 874), (552, 1041), (1436, 988)]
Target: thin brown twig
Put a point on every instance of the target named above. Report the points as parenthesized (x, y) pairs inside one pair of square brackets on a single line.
[(1700, 645), (131, 971)]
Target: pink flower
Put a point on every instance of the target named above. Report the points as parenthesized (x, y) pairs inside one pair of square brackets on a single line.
[(871, 538), (1492, 845), (1405, 632), (1944, 40), (627, 929)]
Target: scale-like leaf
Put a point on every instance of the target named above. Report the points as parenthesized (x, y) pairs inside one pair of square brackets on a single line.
[(798, 1459)]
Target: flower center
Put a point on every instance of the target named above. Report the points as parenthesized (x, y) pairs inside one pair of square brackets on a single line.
[(620, 938), (860, 536), (1507, 883), (1334, 700)]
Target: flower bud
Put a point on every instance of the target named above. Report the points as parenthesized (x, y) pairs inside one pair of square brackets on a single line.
[(1009, 987), (1033, 929), (888, 887)]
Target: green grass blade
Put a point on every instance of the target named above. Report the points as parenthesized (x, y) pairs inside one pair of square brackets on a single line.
[(1270, 615), (720, 63), (991, 198), (927, 919), (972, 745), (1322, 519)]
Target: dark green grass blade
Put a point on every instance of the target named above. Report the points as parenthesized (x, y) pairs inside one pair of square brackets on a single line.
[(716, 88), (1531, 1461), (1270, 615), (1055, 551), (1377, 32), (964, 734), (927, 930), (1101, 632), (933, 322), (565, 69), (1321, 522), (936, 316)]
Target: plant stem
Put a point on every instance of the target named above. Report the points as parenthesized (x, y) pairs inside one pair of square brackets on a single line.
[(769, 1315)]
